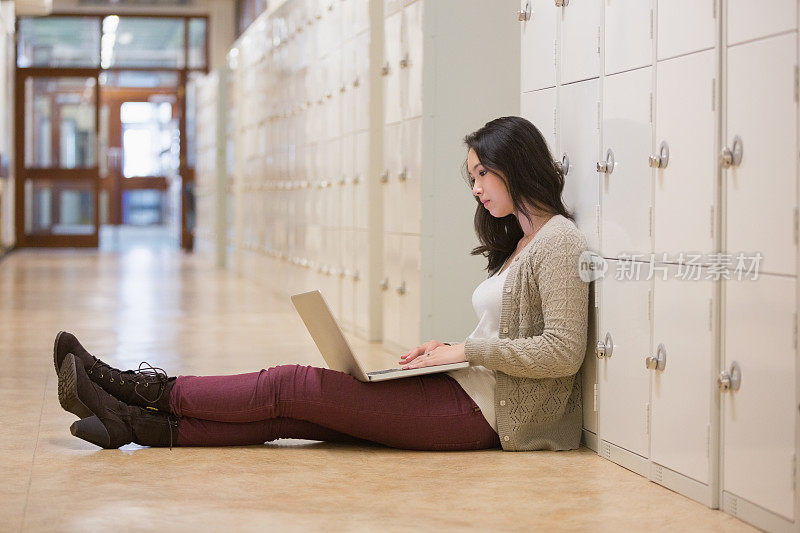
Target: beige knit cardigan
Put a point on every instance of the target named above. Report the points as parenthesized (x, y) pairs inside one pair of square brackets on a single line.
[(542, 340)]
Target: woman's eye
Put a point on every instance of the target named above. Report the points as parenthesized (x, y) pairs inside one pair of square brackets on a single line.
[(482, 173)]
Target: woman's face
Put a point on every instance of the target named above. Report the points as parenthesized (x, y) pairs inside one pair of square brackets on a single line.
[(489, 188)]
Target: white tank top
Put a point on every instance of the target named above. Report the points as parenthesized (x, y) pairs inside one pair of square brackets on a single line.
[(478, 381)]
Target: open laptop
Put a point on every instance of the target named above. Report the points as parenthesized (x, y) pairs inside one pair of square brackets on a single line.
[(335, 349)]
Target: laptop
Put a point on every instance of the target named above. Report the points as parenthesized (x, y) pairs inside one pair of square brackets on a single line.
[(335, 349)]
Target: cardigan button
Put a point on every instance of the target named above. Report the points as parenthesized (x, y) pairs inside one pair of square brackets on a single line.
[(508, 289), (505, 330), (502, 402), (506, 438)]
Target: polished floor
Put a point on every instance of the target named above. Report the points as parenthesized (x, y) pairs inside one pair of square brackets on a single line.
[(177, 311)]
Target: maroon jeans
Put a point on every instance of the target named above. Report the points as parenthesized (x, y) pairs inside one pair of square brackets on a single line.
[(430, 412)]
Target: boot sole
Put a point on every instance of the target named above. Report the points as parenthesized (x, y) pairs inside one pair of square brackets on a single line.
[(68, 389), (55, 351), (92, 430)]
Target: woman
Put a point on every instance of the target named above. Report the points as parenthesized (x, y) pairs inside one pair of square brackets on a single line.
[(521, 391)]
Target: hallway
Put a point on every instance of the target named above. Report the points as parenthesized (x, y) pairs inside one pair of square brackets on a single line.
[(178, 312)]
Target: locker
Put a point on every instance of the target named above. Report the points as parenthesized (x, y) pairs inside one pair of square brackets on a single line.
[(392, 105), (347, 211), (580, 141), (392, 159), (409, 290), (540, 108), (685, 26), (392, 266), (361, 82), (539, 45), (681, 397), (580, 41), (626, 191), (749, 20), (685, 122), (758, 418), (628, 39), (410, 62), (762, 112), (361, 186), (361, 282), (410, 200), (348, 293), (623, 379)]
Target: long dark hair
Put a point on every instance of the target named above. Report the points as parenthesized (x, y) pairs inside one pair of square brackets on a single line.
[(514, 150)]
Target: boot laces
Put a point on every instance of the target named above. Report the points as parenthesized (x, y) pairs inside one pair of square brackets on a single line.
[(144, 375)]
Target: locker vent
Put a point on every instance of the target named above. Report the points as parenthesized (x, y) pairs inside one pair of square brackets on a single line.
[(658, 474), (730, 504), (605, 450)]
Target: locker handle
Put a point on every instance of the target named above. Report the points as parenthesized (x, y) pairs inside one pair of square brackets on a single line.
[(405, 62), (356, 276), (384, 285), (386, 69), (659, 362), (662, 159), (385, 177), (356, 82), (525, 14), (605, 349), (607, 166), (402, 288), (563, 165), (730, 381), (402, 176), (732, 157)]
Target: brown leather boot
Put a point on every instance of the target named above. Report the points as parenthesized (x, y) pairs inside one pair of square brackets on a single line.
[(112, 423), (146, 387)]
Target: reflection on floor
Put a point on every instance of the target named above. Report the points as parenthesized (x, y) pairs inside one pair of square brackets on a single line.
[(177, 312), (123, 238)]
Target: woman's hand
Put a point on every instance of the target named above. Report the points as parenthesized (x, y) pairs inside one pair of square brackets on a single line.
[(419, 350), (441, 354)]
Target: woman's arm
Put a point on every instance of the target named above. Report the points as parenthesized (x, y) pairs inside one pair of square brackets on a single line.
[(560, 349)]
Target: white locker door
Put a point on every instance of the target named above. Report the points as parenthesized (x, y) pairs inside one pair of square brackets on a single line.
[(410, 62), (623, 380), (680, 416), (627, 132), (392, 259), (685, 123), (758, 419), (410, 294), (748, 20), (348, 292), (580, 40), (628, 39), (685, 26), (392, 107), (361, 282), (580, 142), (762, 189), (392, 161), (539, 45), (539, 107), (410, 200)]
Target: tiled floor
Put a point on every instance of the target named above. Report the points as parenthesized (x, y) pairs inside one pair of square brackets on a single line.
[(176, 311)]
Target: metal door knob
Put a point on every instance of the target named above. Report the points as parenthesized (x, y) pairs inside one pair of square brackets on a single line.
[(525, 14), (607, 166), (731, 380), (662, 159), (659, 362), (605, 349), (732, 157)]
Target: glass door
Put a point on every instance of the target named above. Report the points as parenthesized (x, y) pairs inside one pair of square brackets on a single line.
[(57, 190)]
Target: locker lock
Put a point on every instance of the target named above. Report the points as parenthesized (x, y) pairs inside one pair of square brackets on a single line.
[(730, 381), (732, 157), (659, 362), (401, 289), (385, 177), (402, 176), (563, 165), (607, 166), (384, 284), (386, 69), (405, 62), (525, 14), (662, 159), (562, 3), (605, 349)]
